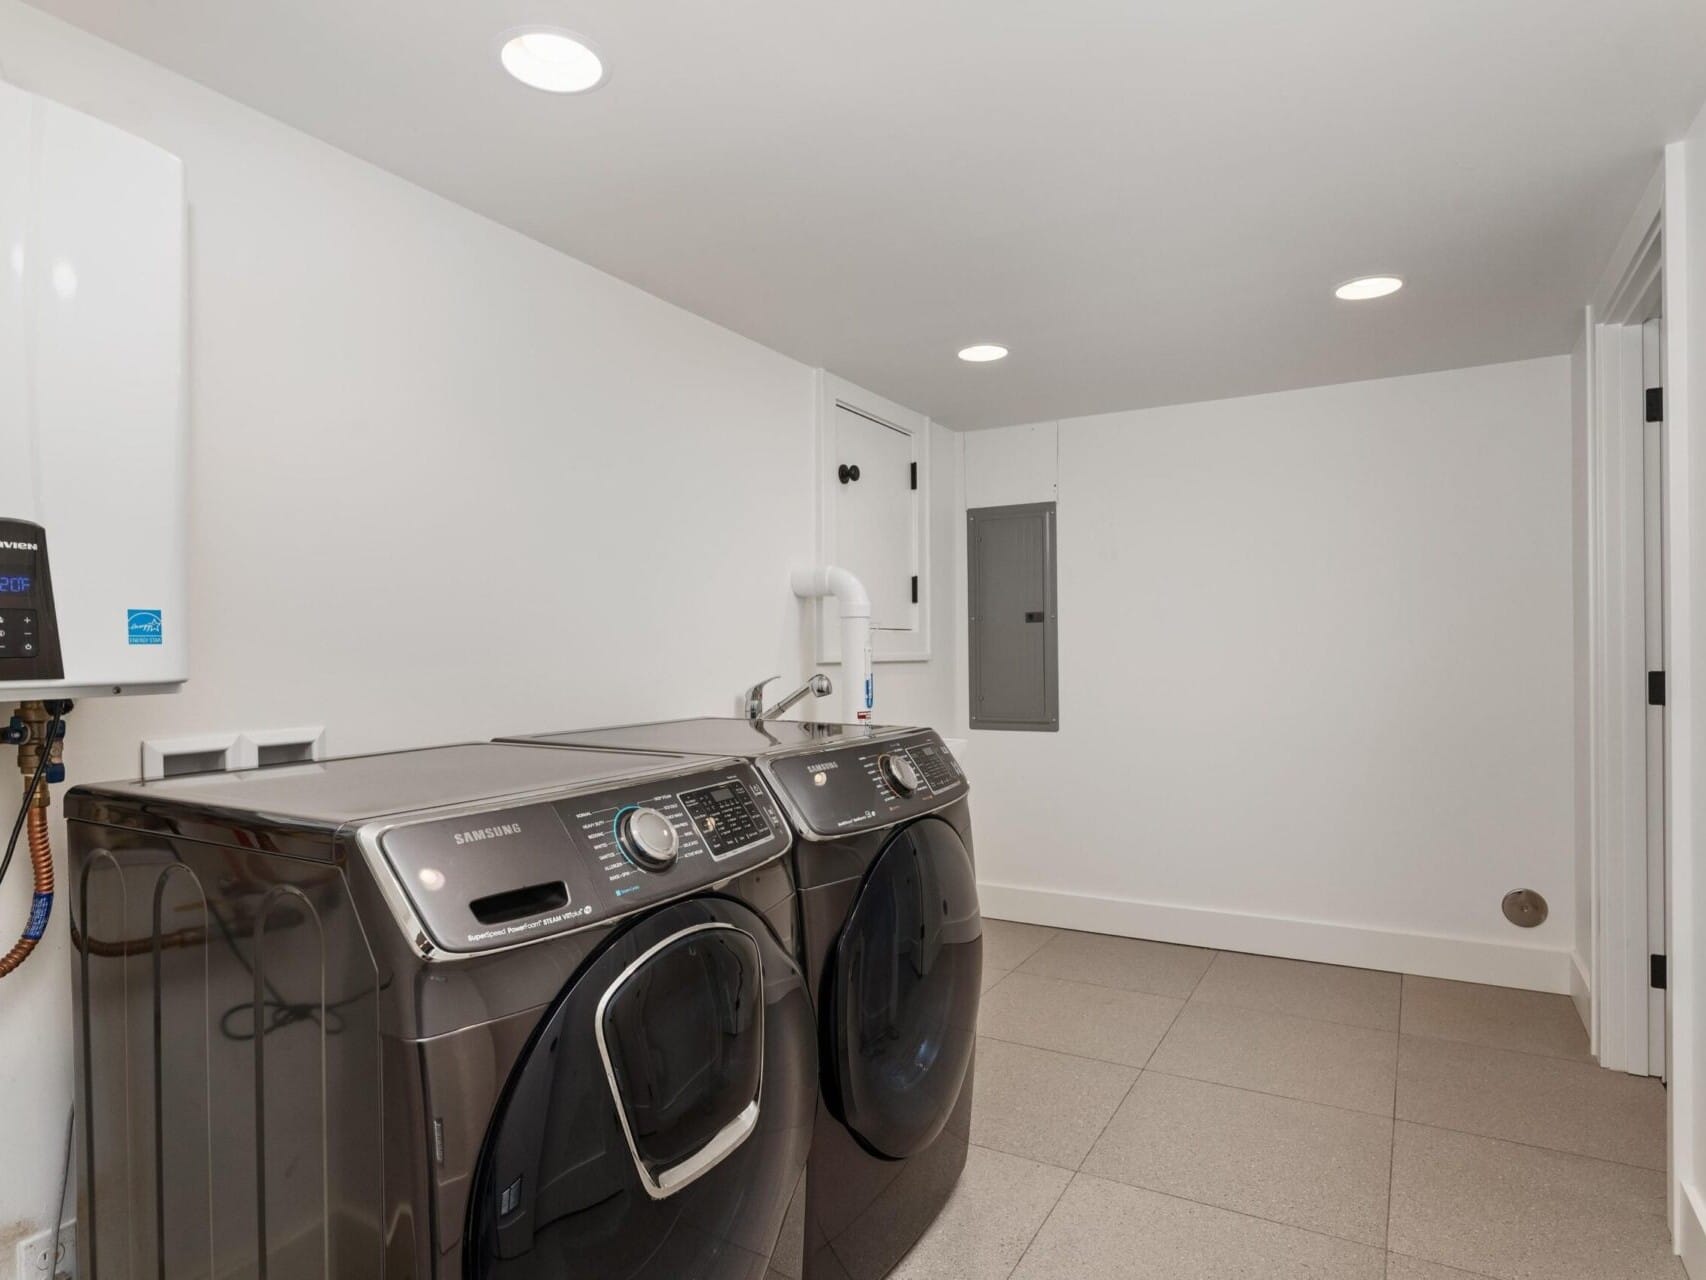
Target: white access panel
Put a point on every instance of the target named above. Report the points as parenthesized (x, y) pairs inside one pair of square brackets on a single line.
[(875, 526), (876, 515), (93, 430)]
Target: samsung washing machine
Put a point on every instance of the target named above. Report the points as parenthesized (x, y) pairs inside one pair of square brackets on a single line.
[(891, 940), (477, 1012)]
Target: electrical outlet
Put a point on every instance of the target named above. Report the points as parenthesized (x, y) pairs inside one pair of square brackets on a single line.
[(40, 1258)]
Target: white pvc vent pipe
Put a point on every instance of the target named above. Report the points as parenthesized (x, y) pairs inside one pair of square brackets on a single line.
[(858, 688)]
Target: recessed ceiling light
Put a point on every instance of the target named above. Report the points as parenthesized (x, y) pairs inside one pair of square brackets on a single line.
[(553, 60), (983, 353), (1367, 287)]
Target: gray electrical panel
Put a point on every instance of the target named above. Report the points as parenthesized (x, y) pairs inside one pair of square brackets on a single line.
[(1012, 644)]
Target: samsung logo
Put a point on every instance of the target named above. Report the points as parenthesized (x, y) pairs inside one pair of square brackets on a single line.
[(823, 764), (19, 546), (488, 833)]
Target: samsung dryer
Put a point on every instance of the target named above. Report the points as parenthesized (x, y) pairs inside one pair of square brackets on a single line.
[(891, 937), (475, 1012)]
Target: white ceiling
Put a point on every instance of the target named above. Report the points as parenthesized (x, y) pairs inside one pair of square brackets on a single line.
[(1149, 201)]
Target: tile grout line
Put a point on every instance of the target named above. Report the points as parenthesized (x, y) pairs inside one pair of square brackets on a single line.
[(1268, 1093), (1090, 1150), (1262, 955), (1167, 1195), (1144, 1070), (1071, 1177), (1523, 1053), (1398, 1033), (1315, 1102), (1392, 1147), (1236, 1213), (1159, 1041), (1308, 1102), (1175, 1075), (1286, 1013), (1100, 986), (1296, 1017), (1527, 1146), (1443, 1266), (1053, 934), (1213, 959), (1218, 1004)]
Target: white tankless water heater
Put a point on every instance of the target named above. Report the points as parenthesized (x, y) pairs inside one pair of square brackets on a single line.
[(93, 439)]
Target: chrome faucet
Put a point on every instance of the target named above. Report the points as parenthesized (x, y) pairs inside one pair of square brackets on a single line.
[(818, 686)]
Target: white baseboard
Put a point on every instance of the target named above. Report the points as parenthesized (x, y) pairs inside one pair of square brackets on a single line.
[(1691, 1234), (1581, 992), (1426, 955)]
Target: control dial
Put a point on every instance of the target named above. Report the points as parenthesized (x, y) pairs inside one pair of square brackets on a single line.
[(900, 773), (648, 838)]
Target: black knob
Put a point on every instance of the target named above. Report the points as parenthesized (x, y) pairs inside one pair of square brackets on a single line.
[(848, 474)]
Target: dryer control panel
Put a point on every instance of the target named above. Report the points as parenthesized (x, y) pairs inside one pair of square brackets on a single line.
[(496, 877), (840, 791)]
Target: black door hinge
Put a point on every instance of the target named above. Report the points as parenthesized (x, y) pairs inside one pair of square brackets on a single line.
[(915, 588), (1655, 688), (1656, 972), (1655, 404), (914, 475)]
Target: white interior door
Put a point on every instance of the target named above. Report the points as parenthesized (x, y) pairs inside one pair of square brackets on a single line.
[(1658, 827), (875, 513), (1622, 720)]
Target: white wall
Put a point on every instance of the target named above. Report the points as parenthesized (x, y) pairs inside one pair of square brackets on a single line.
[(1316, 676), (447, 483)]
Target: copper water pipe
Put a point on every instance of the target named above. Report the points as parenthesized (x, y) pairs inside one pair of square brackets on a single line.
[(41, 862)]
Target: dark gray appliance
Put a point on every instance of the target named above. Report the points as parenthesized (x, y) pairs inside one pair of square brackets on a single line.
[(892, 941), (475, 1011)]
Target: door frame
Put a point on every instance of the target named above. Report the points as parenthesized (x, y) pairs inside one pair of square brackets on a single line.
[(1664, 214), (1622, 889), (1682, 275)]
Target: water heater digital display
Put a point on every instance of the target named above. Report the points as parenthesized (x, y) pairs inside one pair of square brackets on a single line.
[(29, 633)]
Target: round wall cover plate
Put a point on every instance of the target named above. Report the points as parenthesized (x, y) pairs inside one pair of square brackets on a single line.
[(1524, 908)]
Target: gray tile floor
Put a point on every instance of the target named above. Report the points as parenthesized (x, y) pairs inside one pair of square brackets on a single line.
[(1152, 1112)]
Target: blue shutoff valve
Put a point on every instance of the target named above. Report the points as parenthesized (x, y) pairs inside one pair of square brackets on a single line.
[(17, 732)]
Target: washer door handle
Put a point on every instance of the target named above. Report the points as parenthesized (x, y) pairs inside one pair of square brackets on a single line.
[(721, 1146), (661, 1184)]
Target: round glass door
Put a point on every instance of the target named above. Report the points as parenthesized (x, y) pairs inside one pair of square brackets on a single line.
[(902, 996), (657, 1121)]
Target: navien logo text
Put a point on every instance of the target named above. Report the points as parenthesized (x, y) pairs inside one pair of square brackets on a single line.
[(19, 546), (488, 833)]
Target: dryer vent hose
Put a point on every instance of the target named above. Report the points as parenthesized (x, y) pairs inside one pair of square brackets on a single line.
[(41, 862)]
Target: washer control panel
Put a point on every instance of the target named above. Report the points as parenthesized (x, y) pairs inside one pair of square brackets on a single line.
[(508, 875), (842, 790)]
